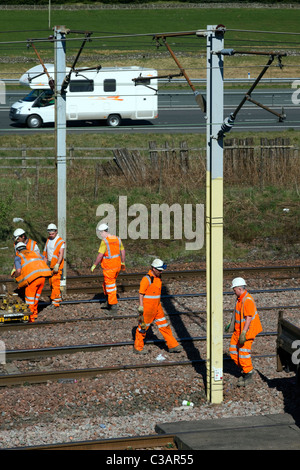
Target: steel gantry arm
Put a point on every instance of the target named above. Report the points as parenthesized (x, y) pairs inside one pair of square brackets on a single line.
[(200, 100), (86, 39), (50, 79)]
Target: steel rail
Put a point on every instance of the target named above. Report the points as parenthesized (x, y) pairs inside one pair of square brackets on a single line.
[(24, 354), (173, 296), (72, 374), (123, 443), (37, 324), (178, 274)]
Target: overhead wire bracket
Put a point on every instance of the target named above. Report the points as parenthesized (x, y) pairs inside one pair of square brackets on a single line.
[(50, 79), (200, 100), (145, 79), (229, 121), (86, 39)]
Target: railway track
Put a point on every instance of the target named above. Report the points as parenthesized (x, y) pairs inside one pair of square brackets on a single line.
[(150, 442), (14, 377), (90, 284), (17, 378), (39, 324), (116, 380), (22, 354), (72, 375)]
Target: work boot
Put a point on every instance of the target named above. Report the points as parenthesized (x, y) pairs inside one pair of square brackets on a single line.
[(177, 349), (113, 308), (245, 379), (53, 305), (139, 351), (240, 382), (248, 377), (105, 306)]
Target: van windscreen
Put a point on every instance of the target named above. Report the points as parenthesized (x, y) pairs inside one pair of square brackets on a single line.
[(33, 95)]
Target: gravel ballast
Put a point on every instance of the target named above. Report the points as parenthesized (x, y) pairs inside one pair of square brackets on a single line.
[(130, 402)]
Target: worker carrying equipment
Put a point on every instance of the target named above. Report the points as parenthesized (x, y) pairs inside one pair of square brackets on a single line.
[(30, 272), (150, 310)]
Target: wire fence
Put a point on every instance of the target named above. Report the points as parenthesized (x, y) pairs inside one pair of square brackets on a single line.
[(272, 161)]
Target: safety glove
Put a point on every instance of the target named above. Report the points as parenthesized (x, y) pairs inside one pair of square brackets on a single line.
[(123, 268), (141, 317), (242, 338), (227, 327), (93, 268), (56, 268), (142, 322)]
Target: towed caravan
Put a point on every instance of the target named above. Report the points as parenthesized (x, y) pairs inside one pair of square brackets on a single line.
[(109, 93)]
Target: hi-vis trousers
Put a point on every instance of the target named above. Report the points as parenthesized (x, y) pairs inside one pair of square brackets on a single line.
[(54, 282), (156, 315), (32, 295), (241, 355), (110, 286)]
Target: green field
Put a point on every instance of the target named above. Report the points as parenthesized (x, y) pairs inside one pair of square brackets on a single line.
[(139, 21), (124, 37), (268, 233), (21, 25)]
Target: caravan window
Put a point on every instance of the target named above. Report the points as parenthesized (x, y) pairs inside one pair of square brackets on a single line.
[(142, 81), (81, 85), (109, 84)]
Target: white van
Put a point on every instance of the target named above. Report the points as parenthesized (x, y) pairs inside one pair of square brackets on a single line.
[(110, 93)]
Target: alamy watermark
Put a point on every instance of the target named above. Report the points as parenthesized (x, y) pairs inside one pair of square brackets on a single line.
[(296, 93), (138, 222), (296, 353)]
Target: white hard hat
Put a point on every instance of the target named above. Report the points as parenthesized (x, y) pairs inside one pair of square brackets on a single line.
[(102, 227), (158, 264), (18, 232), (20, 246), (238, 282), (51, 227)]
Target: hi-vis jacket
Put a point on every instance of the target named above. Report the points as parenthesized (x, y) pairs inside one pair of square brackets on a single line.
[(150, 287), (58, 244), (245, 306), (32, 267), (31, 244), (112, 255)]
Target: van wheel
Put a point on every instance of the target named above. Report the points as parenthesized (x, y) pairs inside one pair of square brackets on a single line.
[(34, 121), (113, 120)]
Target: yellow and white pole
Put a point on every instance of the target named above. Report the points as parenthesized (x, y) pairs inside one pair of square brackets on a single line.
[(214, 215)]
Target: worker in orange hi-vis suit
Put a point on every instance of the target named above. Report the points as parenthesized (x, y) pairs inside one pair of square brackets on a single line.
[(246, 325), (111, 256), (150, 310), (30, 271), (20, 236), (54, 256)]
